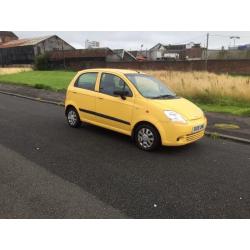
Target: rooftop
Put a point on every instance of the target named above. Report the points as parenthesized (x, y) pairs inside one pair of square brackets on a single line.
[(8, 33), (122, 52), (24, 42)]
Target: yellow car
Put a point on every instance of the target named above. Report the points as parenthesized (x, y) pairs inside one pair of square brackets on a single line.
[(134, 104)]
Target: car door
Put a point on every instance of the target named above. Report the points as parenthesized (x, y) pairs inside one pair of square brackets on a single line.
[(85, 96), (113, 111)]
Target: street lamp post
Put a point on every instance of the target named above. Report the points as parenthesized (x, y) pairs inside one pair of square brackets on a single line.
[(234, 38)]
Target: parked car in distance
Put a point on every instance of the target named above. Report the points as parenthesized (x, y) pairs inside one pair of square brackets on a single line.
[(134, 104)]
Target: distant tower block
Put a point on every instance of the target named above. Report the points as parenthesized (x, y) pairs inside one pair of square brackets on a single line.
[(92, 44)]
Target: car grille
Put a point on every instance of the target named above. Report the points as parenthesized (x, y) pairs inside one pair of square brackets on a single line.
[(195, 136)]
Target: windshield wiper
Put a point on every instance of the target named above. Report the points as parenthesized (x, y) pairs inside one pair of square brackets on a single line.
[(164, 96)]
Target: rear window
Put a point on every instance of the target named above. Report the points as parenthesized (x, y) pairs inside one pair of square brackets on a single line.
[(87, 81)]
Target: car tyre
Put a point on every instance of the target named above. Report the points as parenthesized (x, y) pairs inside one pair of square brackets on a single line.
[(147, 137), (73, 118)]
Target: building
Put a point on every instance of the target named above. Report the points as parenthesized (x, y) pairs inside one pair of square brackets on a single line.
[(97, 54), (140, 55), (188, 51), (6, 36), (81, 58), (24, 51), (91, 44), (121, 55)]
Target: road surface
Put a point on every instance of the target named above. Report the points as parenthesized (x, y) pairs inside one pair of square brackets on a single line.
[(49, 170)]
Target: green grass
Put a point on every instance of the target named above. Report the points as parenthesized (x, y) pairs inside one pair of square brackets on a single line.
[(222, 105), (59, 80), (234, 110), (53, 80)]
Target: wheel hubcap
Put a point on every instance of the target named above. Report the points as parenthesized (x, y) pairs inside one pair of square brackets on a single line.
[(72, 117), (145, 138)]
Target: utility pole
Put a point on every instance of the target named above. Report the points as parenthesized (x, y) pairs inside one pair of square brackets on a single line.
[(1, 59), (141, 49), (64, 61), (206, 58)]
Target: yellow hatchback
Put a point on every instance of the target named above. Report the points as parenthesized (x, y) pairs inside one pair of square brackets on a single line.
[(134, 104)]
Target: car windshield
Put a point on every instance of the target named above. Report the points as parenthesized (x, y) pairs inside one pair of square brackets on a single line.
[(150, 87)]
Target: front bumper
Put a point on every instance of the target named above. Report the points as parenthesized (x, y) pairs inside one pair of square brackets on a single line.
[(176, 134)]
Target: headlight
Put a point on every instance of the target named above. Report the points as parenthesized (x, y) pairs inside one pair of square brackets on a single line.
[(174, 117)]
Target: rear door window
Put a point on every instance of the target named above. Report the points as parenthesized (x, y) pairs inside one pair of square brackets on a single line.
[(87, 81)]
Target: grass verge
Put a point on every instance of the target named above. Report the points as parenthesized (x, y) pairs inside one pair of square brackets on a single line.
[(52, 80), (233, 110), (221, 104)]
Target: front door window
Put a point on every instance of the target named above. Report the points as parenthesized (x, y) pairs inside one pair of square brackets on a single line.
[(110, 83)]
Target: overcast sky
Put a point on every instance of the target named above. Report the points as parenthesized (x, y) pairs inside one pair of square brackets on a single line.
[(132, 40)]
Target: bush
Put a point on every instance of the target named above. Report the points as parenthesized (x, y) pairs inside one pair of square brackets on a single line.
[(42, 62)]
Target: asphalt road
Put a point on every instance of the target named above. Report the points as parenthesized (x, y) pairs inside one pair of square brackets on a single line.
[(49, 170)]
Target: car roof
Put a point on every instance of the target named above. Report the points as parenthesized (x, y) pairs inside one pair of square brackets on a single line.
[(111, 70)]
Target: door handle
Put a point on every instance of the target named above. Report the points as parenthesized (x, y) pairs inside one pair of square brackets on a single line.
[(74, 92), (100, 98)]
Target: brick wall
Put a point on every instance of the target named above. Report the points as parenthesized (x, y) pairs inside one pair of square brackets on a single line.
[(217, 66)]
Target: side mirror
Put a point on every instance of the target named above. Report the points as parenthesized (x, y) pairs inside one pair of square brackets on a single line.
[(121, 93)]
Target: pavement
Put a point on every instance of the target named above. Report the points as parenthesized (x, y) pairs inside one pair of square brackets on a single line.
[(238, 126), (49, 170), (43, 94), (217, 122)]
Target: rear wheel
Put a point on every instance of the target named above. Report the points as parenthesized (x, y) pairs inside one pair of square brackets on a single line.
[(147, 137), (73, 118)]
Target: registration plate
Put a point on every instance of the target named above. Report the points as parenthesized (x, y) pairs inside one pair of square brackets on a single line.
[(198, 128)]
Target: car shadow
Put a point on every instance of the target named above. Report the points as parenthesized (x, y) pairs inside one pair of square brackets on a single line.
[(127, 140)]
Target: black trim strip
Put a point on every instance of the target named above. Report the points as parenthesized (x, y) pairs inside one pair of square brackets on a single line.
[(104, 116)]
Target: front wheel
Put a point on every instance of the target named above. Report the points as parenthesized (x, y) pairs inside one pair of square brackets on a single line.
[(73, 118), (147, 137)]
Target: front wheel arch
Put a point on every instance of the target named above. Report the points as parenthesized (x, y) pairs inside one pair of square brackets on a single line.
[(144, 123)]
